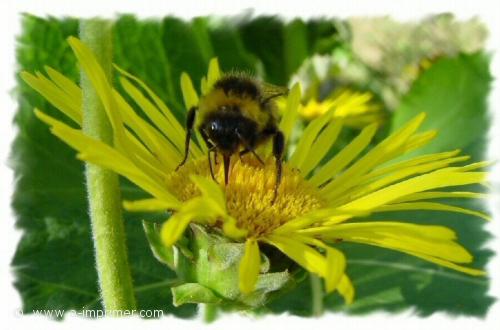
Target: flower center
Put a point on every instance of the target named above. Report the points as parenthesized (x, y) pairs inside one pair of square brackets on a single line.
[(250, 192)]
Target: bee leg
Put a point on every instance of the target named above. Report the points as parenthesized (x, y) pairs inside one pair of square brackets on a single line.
[(212, 149), (227, 162), (278, 149), (189, 128), (248, 148), (257, 156), (242, 153), (210, 145)]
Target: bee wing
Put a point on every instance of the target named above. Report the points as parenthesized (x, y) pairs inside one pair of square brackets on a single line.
[(270, 91)]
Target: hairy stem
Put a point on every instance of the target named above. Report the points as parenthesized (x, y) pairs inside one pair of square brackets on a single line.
[(210, 313), (103, 188), (317, 295)]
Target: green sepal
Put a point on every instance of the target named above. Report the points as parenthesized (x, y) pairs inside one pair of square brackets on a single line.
[(161, 252), (267, 283), (193, 293)]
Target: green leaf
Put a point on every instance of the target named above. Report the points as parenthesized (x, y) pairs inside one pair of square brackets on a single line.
[(295, 45), (193, 293), (183, 53), (263, 37), (138, 48), (453, 92), (230, 50)]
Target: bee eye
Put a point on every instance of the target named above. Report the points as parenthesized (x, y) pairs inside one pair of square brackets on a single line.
[(223, 108), (213, 127)]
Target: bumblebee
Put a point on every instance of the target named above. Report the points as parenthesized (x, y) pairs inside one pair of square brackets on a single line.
[(237, 115)]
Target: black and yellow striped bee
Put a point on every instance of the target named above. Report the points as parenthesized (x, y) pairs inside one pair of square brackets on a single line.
[(237, 115)]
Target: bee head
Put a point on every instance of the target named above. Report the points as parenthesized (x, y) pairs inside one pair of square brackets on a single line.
[(222, 131)]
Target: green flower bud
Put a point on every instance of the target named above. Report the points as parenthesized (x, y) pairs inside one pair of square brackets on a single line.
[(207, 264)]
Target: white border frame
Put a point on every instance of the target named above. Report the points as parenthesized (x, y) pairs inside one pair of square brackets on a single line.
[(487, 11)]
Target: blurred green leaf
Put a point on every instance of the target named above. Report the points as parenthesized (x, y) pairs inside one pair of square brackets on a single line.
[(230, 50), (263, 36), (453, 92), (295, 45)]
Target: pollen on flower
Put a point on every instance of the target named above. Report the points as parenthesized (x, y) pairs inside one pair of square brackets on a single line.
[(250, 192)]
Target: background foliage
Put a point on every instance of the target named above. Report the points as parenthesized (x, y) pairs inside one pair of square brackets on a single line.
[(54, 259)]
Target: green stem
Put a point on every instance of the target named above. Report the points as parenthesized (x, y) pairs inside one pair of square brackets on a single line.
[(210, 313), (102, 185), (317, 295)]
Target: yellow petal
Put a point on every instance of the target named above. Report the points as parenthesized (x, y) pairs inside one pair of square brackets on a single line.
[(178, 129), (214, 72), (210, 189), (418, 140), (146, 205), (430, 206), (104, 155), (57, 97), (440, 194), (447, 264), (155, 115), (365, 186), (469, 167), (321, 146), (346, 289), (423, 231), (344, 157), (97, 77), (302, 254), (174, 227), (436, 241), (335, 268), (65, 84), (188, 92), (289, 118), (307, 139), (162, 150), (249, 267), (201, 209), (203, 86), (205, 210), (373, 158), (316, 216), (231, 229), (411, 162), (437, 179)]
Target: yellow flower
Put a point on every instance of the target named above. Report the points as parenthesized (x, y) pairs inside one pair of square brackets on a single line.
[(321, 201), (357, 109)]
